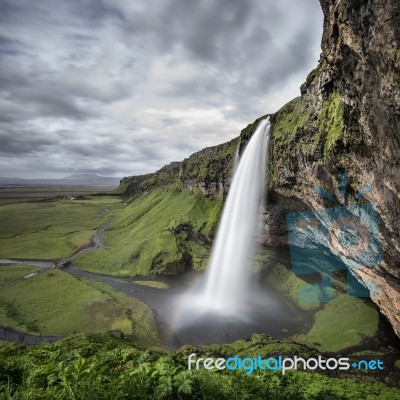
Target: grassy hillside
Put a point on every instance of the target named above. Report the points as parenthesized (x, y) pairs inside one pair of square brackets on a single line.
[(164, 230)]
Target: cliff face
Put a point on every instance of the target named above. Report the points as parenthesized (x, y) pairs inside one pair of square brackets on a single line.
[(347, 120), (208, 170)]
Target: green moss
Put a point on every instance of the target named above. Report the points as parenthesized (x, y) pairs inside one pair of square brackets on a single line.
[(288, 120), (302, 130), (331, 124), (200, 256), (343, 322), (287, 137), (212, 165)]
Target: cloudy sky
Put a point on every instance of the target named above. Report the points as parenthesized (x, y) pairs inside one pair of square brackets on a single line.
[(122, 87)]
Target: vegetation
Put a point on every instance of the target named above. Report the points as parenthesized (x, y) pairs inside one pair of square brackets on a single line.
[(49, 230), (286, 282), (165, 231), (166, 176), (288, 120), (42, 194), (331, 124), (55, 302), (247, 132), (211, 166), (287, 137), (101, 367), (153, 284), (301, 130), (10, 272), (343, 322)]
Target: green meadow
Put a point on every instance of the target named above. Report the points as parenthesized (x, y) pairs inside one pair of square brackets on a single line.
[(34, 193), (10, 272), (50, 230), (57, 303)]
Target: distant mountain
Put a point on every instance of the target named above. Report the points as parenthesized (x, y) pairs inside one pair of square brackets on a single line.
[(71, 180), (90, 179), (85, 176)]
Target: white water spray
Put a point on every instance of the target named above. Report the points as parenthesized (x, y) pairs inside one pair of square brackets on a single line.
[(227, 277)]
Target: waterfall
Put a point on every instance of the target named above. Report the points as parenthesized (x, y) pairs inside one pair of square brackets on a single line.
[(228, 275)]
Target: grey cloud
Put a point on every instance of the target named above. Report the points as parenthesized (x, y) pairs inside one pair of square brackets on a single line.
[(20, 142), (78, 78)]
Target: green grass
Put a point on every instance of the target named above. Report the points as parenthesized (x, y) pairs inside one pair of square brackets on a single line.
[(38, 193), (343, 322), (55, 302), (121, 188), (49, 230), (11, 272), (153, 284), (286, 282), (146, 236)]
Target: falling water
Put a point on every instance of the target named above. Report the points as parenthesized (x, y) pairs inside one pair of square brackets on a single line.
[(227, 278), (228, 302)]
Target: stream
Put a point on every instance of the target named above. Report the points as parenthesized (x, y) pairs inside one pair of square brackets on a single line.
[(272, 314), (269, 313)]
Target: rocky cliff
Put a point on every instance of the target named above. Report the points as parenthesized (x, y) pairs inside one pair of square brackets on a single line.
[(347, 120)]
